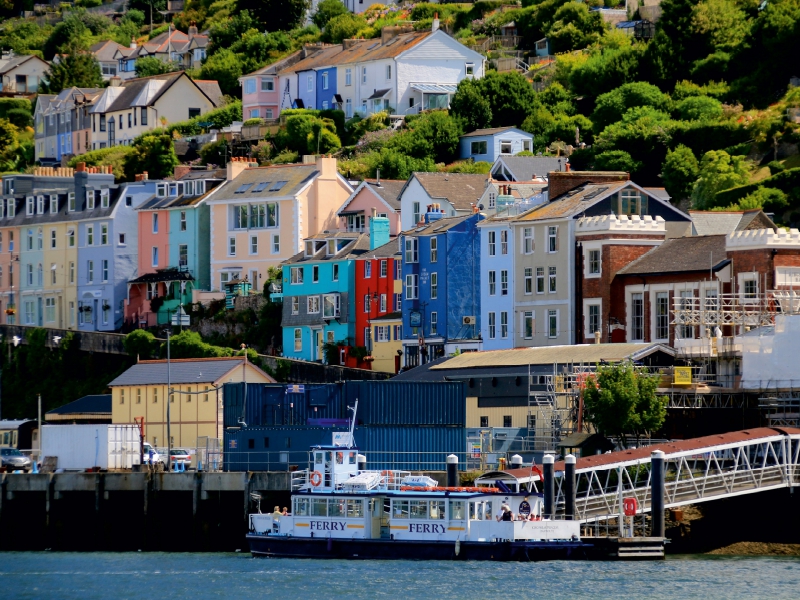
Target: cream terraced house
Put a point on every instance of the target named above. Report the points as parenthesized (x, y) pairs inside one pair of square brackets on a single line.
[(548, 258), (132, 107), (261, 215)]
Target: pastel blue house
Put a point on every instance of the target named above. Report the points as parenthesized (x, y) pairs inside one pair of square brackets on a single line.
[(108, 244), (488, 144), (326, 88), (306, 89), (441, 277), (497, 280)]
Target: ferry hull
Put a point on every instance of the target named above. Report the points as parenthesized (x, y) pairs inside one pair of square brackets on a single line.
[(295, 547)]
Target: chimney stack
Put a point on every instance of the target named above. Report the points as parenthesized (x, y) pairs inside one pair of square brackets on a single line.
[(435, 26), (193, 29), (378, 177), (133, 43), (114, 81)]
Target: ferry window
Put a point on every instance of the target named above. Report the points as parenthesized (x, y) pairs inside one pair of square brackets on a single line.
[(318, 458), (339, 458), (437, 509), (473, 511), (266, 442), (418, 509), (336, 508), (457, 510), (319, 507), (352, 458), (301, 507), (355, 508), (400, 509), (251, 444)]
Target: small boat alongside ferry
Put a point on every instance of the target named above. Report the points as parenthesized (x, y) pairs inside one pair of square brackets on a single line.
[(339, 510)]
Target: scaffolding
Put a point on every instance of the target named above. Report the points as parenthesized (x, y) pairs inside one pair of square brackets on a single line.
[(553, 413)]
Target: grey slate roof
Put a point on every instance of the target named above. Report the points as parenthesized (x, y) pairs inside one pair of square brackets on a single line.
[(386, 251), (680, 255), (98, 403), (726, 222), (526, 168), (357, 246), (202, 370), (492, 131), (295, 178), (460, 189), (437, 226), (212, 90), (389, 190)]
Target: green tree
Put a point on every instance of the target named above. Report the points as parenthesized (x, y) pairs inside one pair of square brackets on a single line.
[(718, 171), (607, 70), (9, 145), (471, 106), (621, 400), (327, 10), (276, 15), (150, 65), (610, 106), (769, 199), (574, 27), (510, 97), (75, 69), (699, 108), (343, 27), (617, 160), (434, 135), (140, 344), (152, 152), (225, 67), (679, 172)]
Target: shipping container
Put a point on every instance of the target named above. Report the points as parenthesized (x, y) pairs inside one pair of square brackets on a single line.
[(409, 448), (273, 448), (86, 446), (408, 402), (270, 404)]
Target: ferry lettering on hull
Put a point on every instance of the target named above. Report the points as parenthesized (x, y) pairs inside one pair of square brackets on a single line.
[(329, 525), (426, 528)]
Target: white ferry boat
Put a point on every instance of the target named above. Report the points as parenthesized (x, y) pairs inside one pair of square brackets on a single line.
[(341, 511)]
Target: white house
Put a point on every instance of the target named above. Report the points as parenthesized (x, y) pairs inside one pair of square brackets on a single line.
[(457, 194)]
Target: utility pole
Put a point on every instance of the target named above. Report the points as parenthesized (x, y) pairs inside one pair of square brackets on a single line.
[(39, 455), (169, 401)]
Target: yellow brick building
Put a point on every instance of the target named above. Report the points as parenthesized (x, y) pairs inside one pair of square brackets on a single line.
[(142, 391)]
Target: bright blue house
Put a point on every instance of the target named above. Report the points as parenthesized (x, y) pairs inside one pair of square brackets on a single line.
[(489, 144), (441, 279), (319, 292), (326, 88)]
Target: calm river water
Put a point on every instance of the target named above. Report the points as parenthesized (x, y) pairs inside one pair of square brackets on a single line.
[(152, 576)]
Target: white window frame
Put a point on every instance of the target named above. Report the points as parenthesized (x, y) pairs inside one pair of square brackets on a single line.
[(528, 280), (412, 287), (434, 279), (527, 240), (552, 239), (552, 280), (492, 325), (312, 305), (504, 241), (295, 305), (492, 243), (528, 314), (296, 275), (492, 283), (588, 334), (298, 340), (552, 313)]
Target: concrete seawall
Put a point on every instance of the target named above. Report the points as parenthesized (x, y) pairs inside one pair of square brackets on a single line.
[(178, 512)]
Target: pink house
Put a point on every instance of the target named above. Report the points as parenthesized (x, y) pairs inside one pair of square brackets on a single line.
[(378, 195), (153, 255), (262, 90)]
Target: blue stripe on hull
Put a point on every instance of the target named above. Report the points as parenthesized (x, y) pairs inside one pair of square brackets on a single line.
[(293, 547)]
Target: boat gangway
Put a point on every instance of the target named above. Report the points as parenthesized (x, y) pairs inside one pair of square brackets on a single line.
[(695, 470)]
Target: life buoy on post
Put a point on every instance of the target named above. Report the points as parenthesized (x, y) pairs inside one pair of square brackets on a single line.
[(389, 476), (316, 478), (629, 505)]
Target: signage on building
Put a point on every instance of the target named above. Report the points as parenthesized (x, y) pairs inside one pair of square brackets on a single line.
[(415, 318), (296, 389), (682, 376), (342, 438)]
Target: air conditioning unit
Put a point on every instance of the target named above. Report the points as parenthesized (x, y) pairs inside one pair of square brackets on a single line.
[(468, 321)]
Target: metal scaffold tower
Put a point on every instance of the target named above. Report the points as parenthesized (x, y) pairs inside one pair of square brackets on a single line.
[(741, 310), (553, 411)]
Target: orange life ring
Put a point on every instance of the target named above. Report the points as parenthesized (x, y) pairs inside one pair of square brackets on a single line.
[(389, 475), (316, 478)]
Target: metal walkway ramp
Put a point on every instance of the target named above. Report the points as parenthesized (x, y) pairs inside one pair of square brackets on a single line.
[(696, 470)]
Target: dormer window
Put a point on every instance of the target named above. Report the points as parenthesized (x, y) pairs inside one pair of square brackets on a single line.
[(89, 199), (188, 188), (105, 196), (39, 205), (199, 187), (331, 247), (161, 190), (309, 248), (53, 205), (29, 206)]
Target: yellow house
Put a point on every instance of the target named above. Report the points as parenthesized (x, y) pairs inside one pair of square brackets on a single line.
[(386, 342), (196, 402)]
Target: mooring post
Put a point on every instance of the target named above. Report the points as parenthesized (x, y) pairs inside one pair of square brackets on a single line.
[(657, 492), (548, 463), (452, 470), (569, 487)]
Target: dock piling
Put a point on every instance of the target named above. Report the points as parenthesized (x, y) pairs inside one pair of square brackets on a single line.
[(569, 487), (657, 492), (548, 463)]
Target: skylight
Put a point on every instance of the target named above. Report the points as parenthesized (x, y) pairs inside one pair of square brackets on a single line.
[(277, 186), (260, 186), (243, 188)]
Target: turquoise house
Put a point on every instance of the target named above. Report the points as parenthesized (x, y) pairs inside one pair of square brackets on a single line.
[(190, 242), (318, 300)]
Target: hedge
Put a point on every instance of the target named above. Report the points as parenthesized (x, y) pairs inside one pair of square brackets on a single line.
[(7, 104), (787, 181)]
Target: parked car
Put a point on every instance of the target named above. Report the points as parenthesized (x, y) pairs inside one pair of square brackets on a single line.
[(180, 456), (14, 460)]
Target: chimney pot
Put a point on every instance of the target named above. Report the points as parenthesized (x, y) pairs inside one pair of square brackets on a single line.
[(81, 166), (144, 175)]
